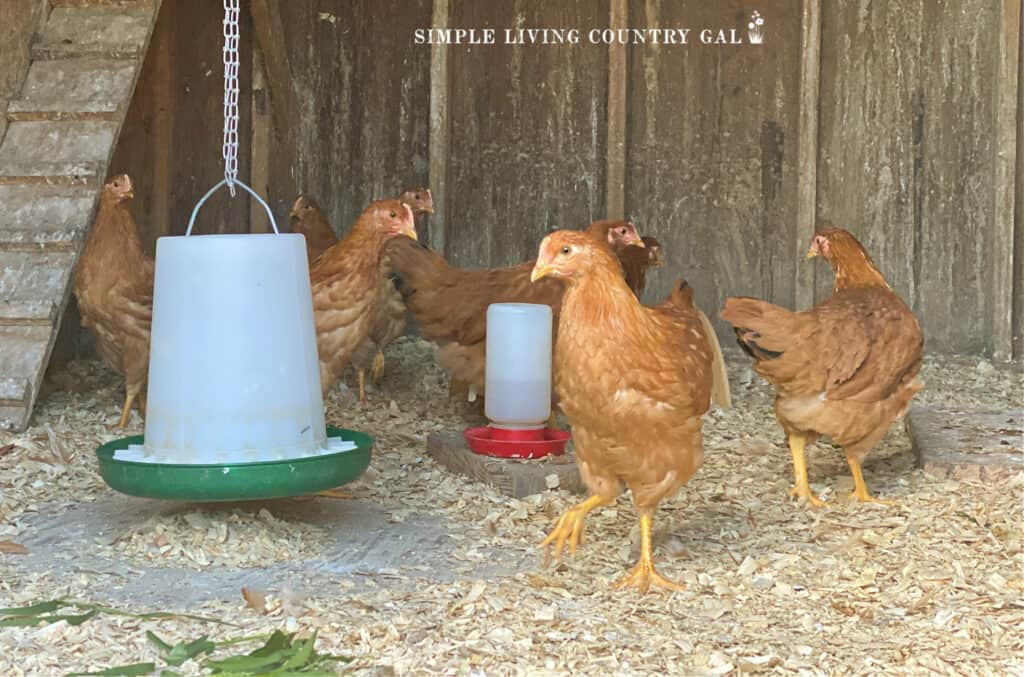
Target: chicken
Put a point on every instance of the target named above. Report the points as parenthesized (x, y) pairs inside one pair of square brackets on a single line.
[(113, 283), (389, 323), (450, 304), (845, 369), (308, 219), (634, 383), (636, 260), (345, 281)]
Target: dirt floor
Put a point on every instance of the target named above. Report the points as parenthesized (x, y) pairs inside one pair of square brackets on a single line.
[(421, 572)]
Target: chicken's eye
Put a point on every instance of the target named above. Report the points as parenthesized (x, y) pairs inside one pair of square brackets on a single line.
[(566, 249), (393, 214)]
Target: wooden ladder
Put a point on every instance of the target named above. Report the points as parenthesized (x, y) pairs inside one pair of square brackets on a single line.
[(60, 136)]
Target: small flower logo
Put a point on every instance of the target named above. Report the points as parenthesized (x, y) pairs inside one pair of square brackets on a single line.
[(754, 28)]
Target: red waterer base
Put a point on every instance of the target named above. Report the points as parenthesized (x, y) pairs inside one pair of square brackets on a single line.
[(504, 443)]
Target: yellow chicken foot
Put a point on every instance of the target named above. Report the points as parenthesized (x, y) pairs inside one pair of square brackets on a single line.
[(362, 385), (644, 575), (126, 411), (570, 527), (334, 493), (802, 489), (860, 489), (377, 370)]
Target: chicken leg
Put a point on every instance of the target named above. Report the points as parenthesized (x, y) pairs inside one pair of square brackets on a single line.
[(362, 385), (570, 526), (643, 575), (860, 489), (131, 393), (377, 370), (801, 488)]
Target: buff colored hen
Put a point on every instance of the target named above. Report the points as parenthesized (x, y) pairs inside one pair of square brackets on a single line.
[(634, 383), (113, 284), (845, 369), (345, 281)]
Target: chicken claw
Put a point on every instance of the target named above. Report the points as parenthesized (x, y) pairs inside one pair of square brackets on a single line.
[(860, 488), (570, 527), (377, 370), (802, 489), (334, 493), (643, 575), (805, 493)]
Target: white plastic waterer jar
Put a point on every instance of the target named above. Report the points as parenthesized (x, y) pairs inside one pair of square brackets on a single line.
[(518, 389)]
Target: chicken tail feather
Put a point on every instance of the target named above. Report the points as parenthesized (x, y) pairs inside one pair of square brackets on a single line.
[(720, 393), (761, 327)]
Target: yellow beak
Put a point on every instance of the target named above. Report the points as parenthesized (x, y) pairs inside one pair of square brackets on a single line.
[(540, 270), (811, 253), (409, 231), (640, 243)]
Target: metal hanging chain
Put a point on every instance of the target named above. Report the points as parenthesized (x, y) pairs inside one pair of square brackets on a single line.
[(230, 150)]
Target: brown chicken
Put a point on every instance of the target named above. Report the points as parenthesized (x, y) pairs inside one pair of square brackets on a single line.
[(345, 281), (636, 260), (390, 321), (308, 219), (114, 287), (845, 369), (634, 383), (450, 304)]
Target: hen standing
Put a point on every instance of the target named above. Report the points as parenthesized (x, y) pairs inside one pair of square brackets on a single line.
[(345, 281), (634, 383), (113, 283), (389, 323), (844, 369), (308, 219)]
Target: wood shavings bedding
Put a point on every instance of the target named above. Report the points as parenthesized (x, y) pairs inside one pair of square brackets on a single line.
[(932, 586)]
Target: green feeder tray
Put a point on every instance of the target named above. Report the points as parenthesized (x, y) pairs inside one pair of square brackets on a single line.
[(235, 482)]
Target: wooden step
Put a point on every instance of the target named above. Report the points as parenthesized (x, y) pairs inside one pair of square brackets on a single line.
[(23, 351), (74, 89), (34, 217), (40, 276), (21, 313), (101, 30), (55, 152)]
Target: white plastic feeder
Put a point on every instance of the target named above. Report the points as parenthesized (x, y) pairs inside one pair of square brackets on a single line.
[(233, 370), (518, 390)]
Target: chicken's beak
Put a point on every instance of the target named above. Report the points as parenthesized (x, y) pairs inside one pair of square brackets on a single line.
[(409, 231), (640, 243), (429, 210), (811, 253), (540, 270)]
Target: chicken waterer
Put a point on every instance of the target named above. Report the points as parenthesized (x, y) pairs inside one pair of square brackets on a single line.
[(518, 385), (234, 407)]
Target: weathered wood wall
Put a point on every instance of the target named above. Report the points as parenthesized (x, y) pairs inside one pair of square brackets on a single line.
[(711, 151), (528, 132), (909, 138)]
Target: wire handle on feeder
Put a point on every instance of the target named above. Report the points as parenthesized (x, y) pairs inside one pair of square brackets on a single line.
[(250, 191), (230, 147)]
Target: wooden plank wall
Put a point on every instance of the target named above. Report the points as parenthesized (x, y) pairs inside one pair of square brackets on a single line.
[(528, 140), (712, 151), (909, 144), (363, 91)]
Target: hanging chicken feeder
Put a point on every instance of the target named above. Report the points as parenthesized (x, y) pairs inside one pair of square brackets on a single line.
[(234, 403), (518, 385)]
